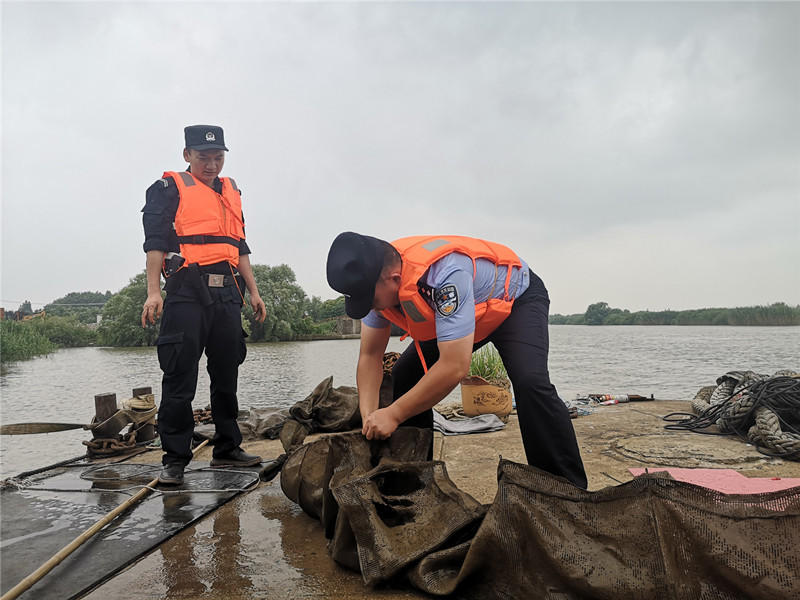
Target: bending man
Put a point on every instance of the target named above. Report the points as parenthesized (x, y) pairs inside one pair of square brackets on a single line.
[(452, 295)]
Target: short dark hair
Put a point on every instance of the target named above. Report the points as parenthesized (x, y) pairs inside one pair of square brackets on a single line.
[(390, 254)]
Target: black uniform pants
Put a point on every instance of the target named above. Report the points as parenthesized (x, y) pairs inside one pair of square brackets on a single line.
[(189, 327), (523, 343)]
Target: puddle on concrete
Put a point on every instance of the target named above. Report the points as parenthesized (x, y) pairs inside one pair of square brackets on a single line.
[(233, 553), (259, 545)]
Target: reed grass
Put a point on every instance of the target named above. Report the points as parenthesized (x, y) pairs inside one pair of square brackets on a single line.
[(20, 341), (486, 363)]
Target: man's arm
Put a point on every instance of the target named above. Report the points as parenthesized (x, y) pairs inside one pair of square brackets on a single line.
[(246, 271), (158, 214), (369, 373), (155, 303), (441, 378)]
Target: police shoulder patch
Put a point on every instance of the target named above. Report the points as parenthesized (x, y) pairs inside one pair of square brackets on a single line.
[(446, 300)]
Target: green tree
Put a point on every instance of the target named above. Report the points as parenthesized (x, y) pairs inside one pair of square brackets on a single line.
[(25, 309), (331, 309), (596, 313), (286, 304), (778, 313), (122, 317), (84, 306), (314, 308), (64, 332), (618, 317)]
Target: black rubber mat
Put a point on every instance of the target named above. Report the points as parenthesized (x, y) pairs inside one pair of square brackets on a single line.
[(52, 508)]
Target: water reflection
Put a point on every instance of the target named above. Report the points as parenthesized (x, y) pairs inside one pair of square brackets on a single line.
[(227, 576), (180, 574)]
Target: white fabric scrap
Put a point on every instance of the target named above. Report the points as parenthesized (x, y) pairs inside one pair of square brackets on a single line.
[(480, 424)]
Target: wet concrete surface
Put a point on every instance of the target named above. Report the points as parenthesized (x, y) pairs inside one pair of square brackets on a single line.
[(58, 505), (261, 545)]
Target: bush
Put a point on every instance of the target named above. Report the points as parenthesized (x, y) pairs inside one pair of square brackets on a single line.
[(324, 328), (19, 340), (64, 332), (122, 314)]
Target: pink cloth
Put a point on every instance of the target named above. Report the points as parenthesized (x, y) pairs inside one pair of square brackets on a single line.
[(727, 481)]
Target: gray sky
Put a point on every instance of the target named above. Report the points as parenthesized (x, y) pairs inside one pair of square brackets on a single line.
[(642, 154)]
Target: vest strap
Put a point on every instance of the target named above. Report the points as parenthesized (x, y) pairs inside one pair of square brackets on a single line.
[(421, 356), (207, 239)]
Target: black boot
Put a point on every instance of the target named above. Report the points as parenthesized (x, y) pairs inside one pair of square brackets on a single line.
[(171, 474), (235, 458)]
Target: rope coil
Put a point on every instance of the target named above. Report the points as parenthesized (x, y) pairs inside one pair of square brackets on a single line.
[(762, 409)]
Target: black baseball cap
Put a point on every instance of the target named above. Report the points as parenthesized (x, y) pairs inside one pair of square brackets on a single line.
[(204, 137), (354, 266)]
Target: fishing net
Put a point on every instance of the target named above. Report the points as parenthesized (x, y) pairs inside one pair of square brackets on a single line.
[(389, 515), (50, 508), (326, 408), (306, 475)]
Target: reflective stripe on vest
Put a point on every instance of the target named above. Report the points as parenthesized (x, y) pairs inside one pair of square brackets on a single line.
[(209, 225)]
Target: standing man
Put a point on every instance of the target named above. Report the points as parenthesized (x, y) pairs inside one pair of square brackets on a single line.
[(452, 295), (194, 235)]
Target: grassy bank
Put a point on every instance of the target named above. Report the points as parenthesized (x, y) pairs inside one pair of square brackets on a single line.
[(22, 340)]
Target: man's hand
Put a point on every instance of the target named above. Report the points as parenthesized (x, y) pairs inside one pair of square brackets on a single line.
[(259, 308), (380, 424), (152, 309)]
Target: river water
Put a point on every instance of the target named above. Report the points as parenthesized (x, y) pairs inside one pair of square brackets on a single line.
[(668, 362)]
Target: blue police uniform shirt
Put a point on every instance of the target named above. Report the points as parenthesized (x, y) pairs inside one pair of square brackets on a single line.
[(454, 293)]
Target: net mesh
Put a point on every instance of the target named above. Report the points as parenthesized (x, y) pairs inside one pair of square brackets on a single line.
[(389, 514)]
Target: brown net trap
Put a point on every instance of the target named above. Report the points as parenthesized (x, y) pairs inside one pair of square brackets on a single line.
[(389, 514)]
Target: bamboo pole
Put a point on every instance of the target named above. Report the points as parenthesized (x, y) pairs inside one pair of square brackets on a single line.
[(26, 583)]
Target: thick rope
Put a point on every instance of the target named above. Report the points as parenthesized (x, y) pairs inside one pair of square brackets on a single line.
[(769, 434), (761, 409)]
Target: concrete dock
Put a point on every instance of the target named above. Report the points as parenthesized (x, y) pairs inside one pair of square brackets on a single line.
[(261, 545)]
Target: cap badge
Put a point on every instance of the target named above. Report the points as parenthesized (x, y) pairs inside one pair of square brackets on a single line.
[(210, 137)]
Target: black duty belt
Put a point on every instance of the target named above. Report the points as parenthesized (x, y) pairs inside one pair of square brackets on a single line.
[(218, 279)]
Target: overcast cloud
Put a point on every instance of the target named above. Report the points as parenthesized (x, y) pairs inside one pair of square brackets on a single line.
[(642, 154)]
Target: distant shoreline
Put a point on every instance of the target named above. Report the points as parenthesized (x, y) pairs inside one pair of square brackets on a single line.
[(315, 338), (778, 314)]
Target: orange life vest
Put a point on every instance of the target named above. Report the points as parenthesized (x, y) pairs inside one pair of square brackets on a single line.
[(209, 225), (415, 315)]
